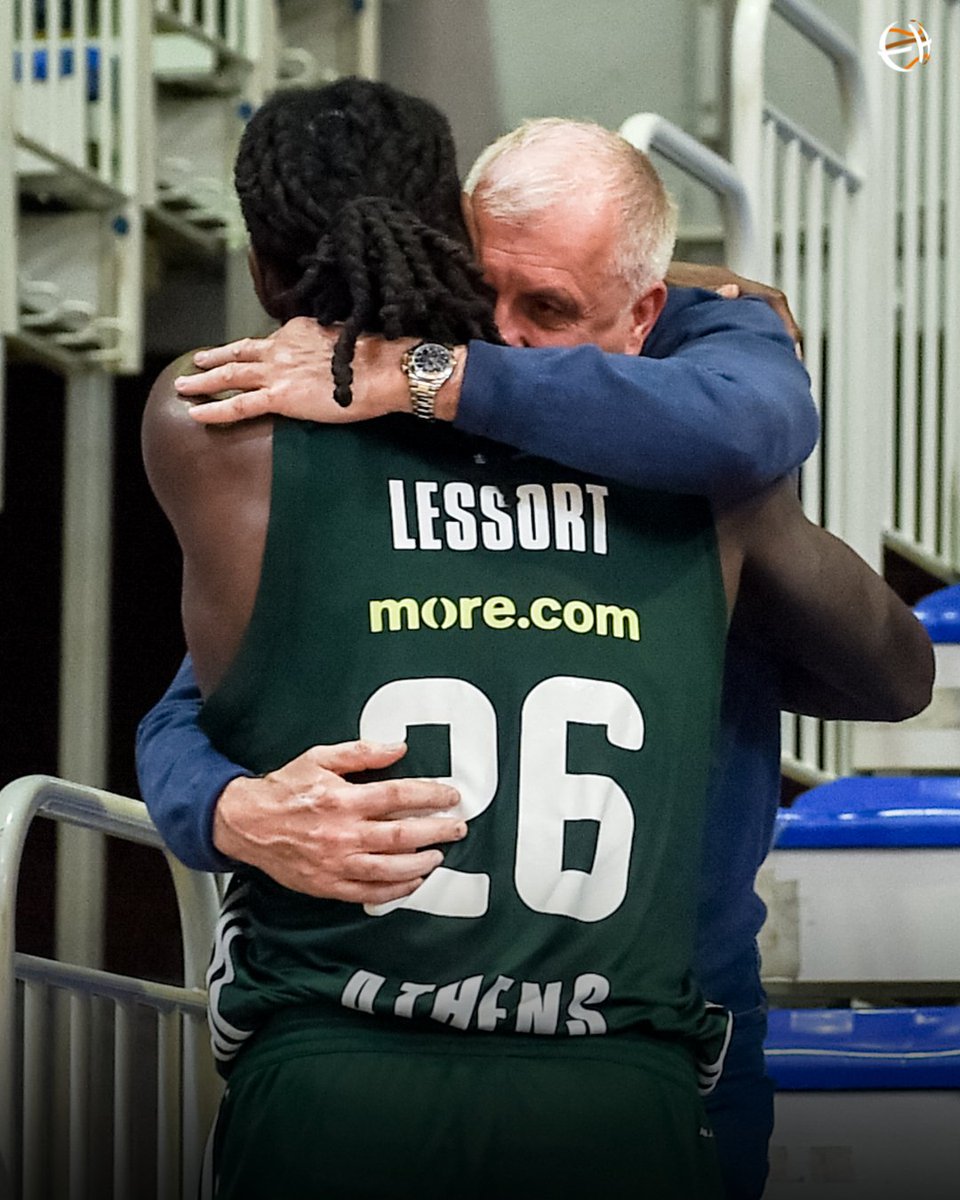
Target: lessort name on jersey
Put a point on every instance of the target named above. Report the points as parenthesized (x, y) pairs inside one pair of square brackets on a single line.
[(427, 515)]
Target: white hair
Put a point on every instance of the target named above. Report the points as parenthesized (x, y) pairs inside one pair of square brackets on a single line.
[(512, 184)]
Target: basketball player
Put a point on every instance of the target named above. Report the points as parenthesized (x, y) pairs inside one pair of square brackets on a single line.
[(629, 333)]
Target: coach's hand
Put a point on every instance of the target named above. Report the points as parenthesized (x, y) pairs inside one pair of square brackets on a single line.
[(311, 830), (289, 373)]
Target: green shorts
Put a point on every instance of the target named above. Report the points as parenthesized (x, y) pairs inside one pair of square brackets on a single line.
[(394, 1112)]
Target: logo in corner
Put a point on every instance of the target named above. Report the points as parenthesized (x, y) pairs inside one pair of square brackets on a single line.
[(903, 48)]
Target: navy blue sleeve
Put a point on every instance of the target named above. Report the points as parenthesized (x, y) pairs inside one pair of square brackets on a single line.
[(181, 775), (717, 404)]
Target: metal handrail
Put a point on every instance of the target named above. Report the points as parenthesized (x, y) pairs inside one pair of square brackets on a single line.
[(748, 45), (812, 147), (105, 812), (89, 981), (650, 131)]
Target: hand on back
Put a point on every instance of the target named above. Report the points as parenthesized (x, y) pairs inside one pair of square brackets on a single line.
[(314, 831)]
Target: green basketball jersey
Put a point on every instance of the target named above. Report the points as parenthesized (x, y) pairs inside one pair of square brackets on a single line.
[(552, 646)]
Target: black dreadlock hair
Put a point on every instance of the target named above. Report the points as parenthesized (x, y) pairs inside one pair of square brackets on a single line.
[(351, 197)]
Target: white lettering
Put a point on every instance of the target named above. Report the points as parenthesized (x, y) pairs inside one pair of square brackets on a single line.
[(587, 989), (461, 526), (571, 532), (361, 991), (409, 994), (598, 494), (539, 1008), (456, 516), (464, 1003), (497, 530), (489, 1013), (533, 519), (454, 1004), (427, 513), (398, 517)]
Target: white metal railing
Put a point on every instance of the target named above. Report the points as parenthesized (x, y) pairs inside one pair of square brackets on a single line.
[(74, 118), (804, 193), (919, 171), (213, 62), (106, 1082), (223, 25), (76, 72), (86, 135), (85, 130), (651, 132), (815, 227)]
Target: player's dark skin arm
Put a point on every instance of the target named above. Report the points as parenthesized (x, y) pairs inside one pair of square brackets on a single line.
[(215, 490), (850, 648)]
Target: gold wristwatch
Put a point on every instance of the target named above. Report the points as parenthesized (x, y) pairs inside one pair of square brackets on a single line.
[(427, 366)]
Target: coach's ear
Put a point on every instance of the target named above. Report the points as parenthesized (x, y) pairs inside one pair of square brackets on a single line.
[(644, 314), (469, 218)]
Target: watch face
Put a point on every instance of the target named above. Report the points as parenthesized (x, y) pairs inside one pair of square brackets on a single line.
[(431, 360)]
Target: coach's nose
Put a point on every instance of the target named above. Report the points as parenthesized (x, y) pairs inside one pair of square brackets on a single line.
[(510, 326)]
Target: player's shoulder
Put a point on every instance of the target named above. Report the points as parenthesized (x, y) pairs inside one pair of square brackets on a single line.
[(180, 454), (164, 406)]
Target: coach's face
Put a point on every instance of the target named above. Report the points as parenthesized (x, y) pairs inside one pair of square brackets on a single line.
[(556, 279)]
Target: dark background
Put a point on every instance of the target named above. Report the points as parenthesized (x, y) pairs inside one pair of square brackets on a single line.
[(146, 645)]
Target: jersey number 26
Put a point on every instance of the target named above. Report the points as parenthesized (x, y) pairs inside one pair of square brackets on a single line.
[(547, 798)]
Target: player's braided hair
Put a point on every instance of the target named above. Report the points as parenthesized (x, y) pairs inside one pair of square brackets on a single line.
[(350, 193)]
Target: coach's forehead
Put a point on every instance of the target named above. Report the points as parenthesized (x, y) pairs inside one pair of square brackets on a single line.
[(569, 245)]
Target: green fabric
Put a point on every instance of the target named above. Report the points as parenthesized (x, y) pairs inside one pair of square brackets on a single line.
[(568, 685), (387, 1112)]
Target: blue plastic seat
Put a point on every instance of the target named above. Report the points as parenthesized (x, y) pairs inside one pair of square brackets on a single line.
[(873, 811), (940, 614), (817, 1049)]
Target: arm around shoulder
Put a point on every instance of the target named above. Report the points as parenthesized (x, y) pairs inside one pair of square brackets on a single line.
[(717, 404)]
